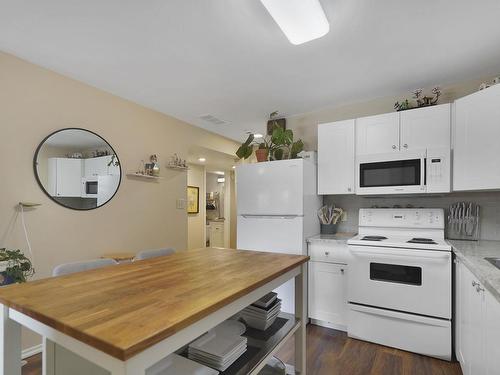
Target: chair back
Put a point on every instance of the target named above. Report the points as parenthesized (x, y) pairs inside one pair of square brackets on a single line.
[(147, 254), (67, 268)]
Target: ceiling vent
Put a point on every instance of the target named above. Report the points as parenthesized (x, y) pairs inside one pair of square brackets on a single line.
[(213, 120)]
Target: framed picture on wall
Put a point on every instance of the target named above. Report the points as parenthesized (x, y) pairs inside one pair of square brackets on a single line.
[(193, 199)]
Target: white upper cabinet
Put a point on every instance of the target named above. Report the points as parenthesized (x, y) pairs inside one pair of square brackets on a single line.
[(64, 177), (428, 127), (98, 166), (336, 157), (476, 158), (377, 134)]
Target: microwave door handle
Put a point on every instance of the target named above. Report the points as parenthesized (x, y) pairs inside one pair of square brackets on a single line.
[(423, 173)]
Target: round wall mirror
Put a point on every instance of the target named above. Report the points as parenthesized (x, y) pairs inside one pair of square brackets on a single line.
[(77, 169)]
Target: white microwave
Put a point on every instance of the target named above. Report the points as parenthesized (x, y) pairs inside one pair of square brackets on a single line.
[(404, 172), (90, 187)]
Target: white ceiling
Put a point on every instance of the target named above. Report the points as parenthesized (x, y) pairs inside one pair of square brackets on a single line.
[(79, 139), (228, 58)]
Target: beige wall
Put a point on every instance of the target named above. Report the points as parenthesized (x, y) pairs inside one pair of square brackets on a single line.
[(197, 222), (305, 125), (35, 102)]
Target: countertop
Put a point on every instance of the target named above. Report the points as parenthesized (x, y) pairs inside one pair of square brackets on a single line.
[(124, 309), (472, 254), (341, 236)]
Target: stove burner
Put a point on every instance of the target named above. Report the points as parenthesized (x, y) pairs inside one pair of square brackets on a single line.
[(426, 241), (373, 238)]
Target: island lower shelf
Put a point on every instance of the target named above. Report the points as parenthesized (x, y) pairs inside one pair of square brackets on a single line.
[(262, 345)]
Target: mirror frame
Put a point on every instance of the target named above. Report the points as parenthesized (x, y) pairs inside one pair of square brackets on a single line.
[(35, 164)]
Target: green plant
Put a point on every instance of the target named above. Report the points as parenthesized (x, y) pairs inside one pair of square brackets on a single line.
[(280, 144), (19, 267), (114, 161), (284, 145)]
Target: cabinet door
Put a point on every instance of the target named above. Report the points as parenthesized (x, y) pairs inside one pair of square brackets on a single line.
[(217, 235), (97, 166), (428, 127), (328, 293), (471, 322), (69, 177), (336, 157), (492, 334), (476, 134), (377, 134)]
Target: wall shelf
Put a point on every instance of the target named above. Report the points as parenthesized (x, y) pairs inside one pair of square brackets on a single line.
[(145, 176), (177, 168)]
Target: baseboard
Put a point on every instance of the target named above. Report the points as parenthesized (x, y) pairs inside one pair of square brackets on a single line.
[(28, 352), (321, 323)]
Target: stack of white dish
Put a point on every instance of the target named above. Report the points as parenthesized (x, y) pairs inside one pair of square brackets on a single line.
[(262, 313), (220, 347), (174, 364)]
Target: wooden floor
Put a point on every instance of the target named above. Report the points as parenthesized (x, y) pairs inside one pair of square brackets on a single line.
[(331, 352)]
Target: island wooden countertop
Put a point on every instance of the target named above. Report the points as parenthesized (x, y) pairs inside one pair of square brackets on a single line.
[(124, 309)]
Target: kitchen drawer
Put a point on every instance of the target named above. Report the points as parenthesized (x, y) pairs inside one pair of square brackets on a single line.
[(329, 251)]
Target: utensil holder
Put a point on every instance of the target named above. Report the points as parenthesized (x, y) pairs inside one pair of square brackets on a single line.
[(328, 228)]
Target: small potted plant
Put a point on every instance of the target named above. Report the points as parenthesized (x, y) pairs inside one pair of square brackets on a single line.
[(15, 267), (264, 147)]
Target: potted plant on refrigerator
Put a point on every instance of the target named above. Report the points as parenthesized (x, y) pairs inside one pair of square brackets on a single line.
[(15, 267), (277, 146)]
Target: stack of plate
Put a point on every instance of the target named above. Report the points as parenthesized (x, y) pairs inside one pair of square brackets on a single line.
[(174, 364), (262, 313), (217, 350)]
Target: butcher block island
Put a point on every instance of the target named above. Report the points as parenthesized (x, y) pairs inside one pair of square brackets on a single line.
[(125, 319)]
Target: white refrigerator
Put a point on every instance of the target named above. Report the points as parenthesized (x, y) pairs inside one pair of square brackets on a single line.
[(277, 203)]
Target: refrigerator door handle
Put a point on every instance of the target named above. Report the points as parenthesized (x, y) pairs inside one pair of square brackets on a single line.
[(286, 217)]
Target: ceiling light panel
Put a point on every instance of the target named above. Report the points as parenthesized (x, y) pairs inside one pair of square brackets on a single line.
[(300, 20)]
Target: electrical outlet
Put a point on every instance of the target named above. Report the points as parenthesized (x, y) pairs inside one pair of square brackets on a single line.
[(344, 216)]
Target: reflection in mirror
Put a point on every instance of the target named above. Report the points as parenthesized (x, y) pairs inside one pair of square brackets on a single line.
[(77, 169)]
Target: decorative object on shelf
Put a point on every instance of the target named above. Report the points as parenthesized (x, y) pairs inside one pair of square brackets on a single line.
[(15, 267), (275, 122), (496, 80), (463, 221), (177, 163), (328, 218), (419, 100), (193, 200), (277, 146), (152, 169)]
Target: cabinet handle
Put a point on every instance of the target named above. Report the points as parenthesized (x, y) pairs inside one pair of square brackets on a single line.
[(349, 189), (405, 145), (327, 253), (342, 271), (475, 283), (393, 147), (479, 289)]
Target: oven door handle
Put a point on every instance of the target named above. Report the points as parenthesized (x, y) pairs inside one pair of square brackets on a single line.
[(416, 254)]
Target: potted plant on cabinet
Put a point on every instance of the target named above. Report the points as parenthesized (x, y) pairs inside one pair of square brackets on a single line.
[(15, 267)]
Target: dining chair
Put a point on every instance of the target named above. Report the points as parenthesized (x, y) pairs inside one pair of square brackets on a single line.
[(67, 268), (147, 254)]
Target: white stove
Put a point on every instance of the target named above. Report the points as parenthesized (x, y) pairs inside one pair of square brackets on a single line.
[(400, 281), (410, 241)]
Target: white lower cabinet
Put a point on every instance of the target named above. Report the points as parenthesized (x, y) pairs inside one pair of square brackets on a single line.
[(477, 325), (328, 284), (328, 294)]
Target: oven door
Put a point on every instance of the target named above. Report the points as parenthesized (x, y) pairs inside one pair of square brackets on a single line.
[(413, 281), (396, 173)]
